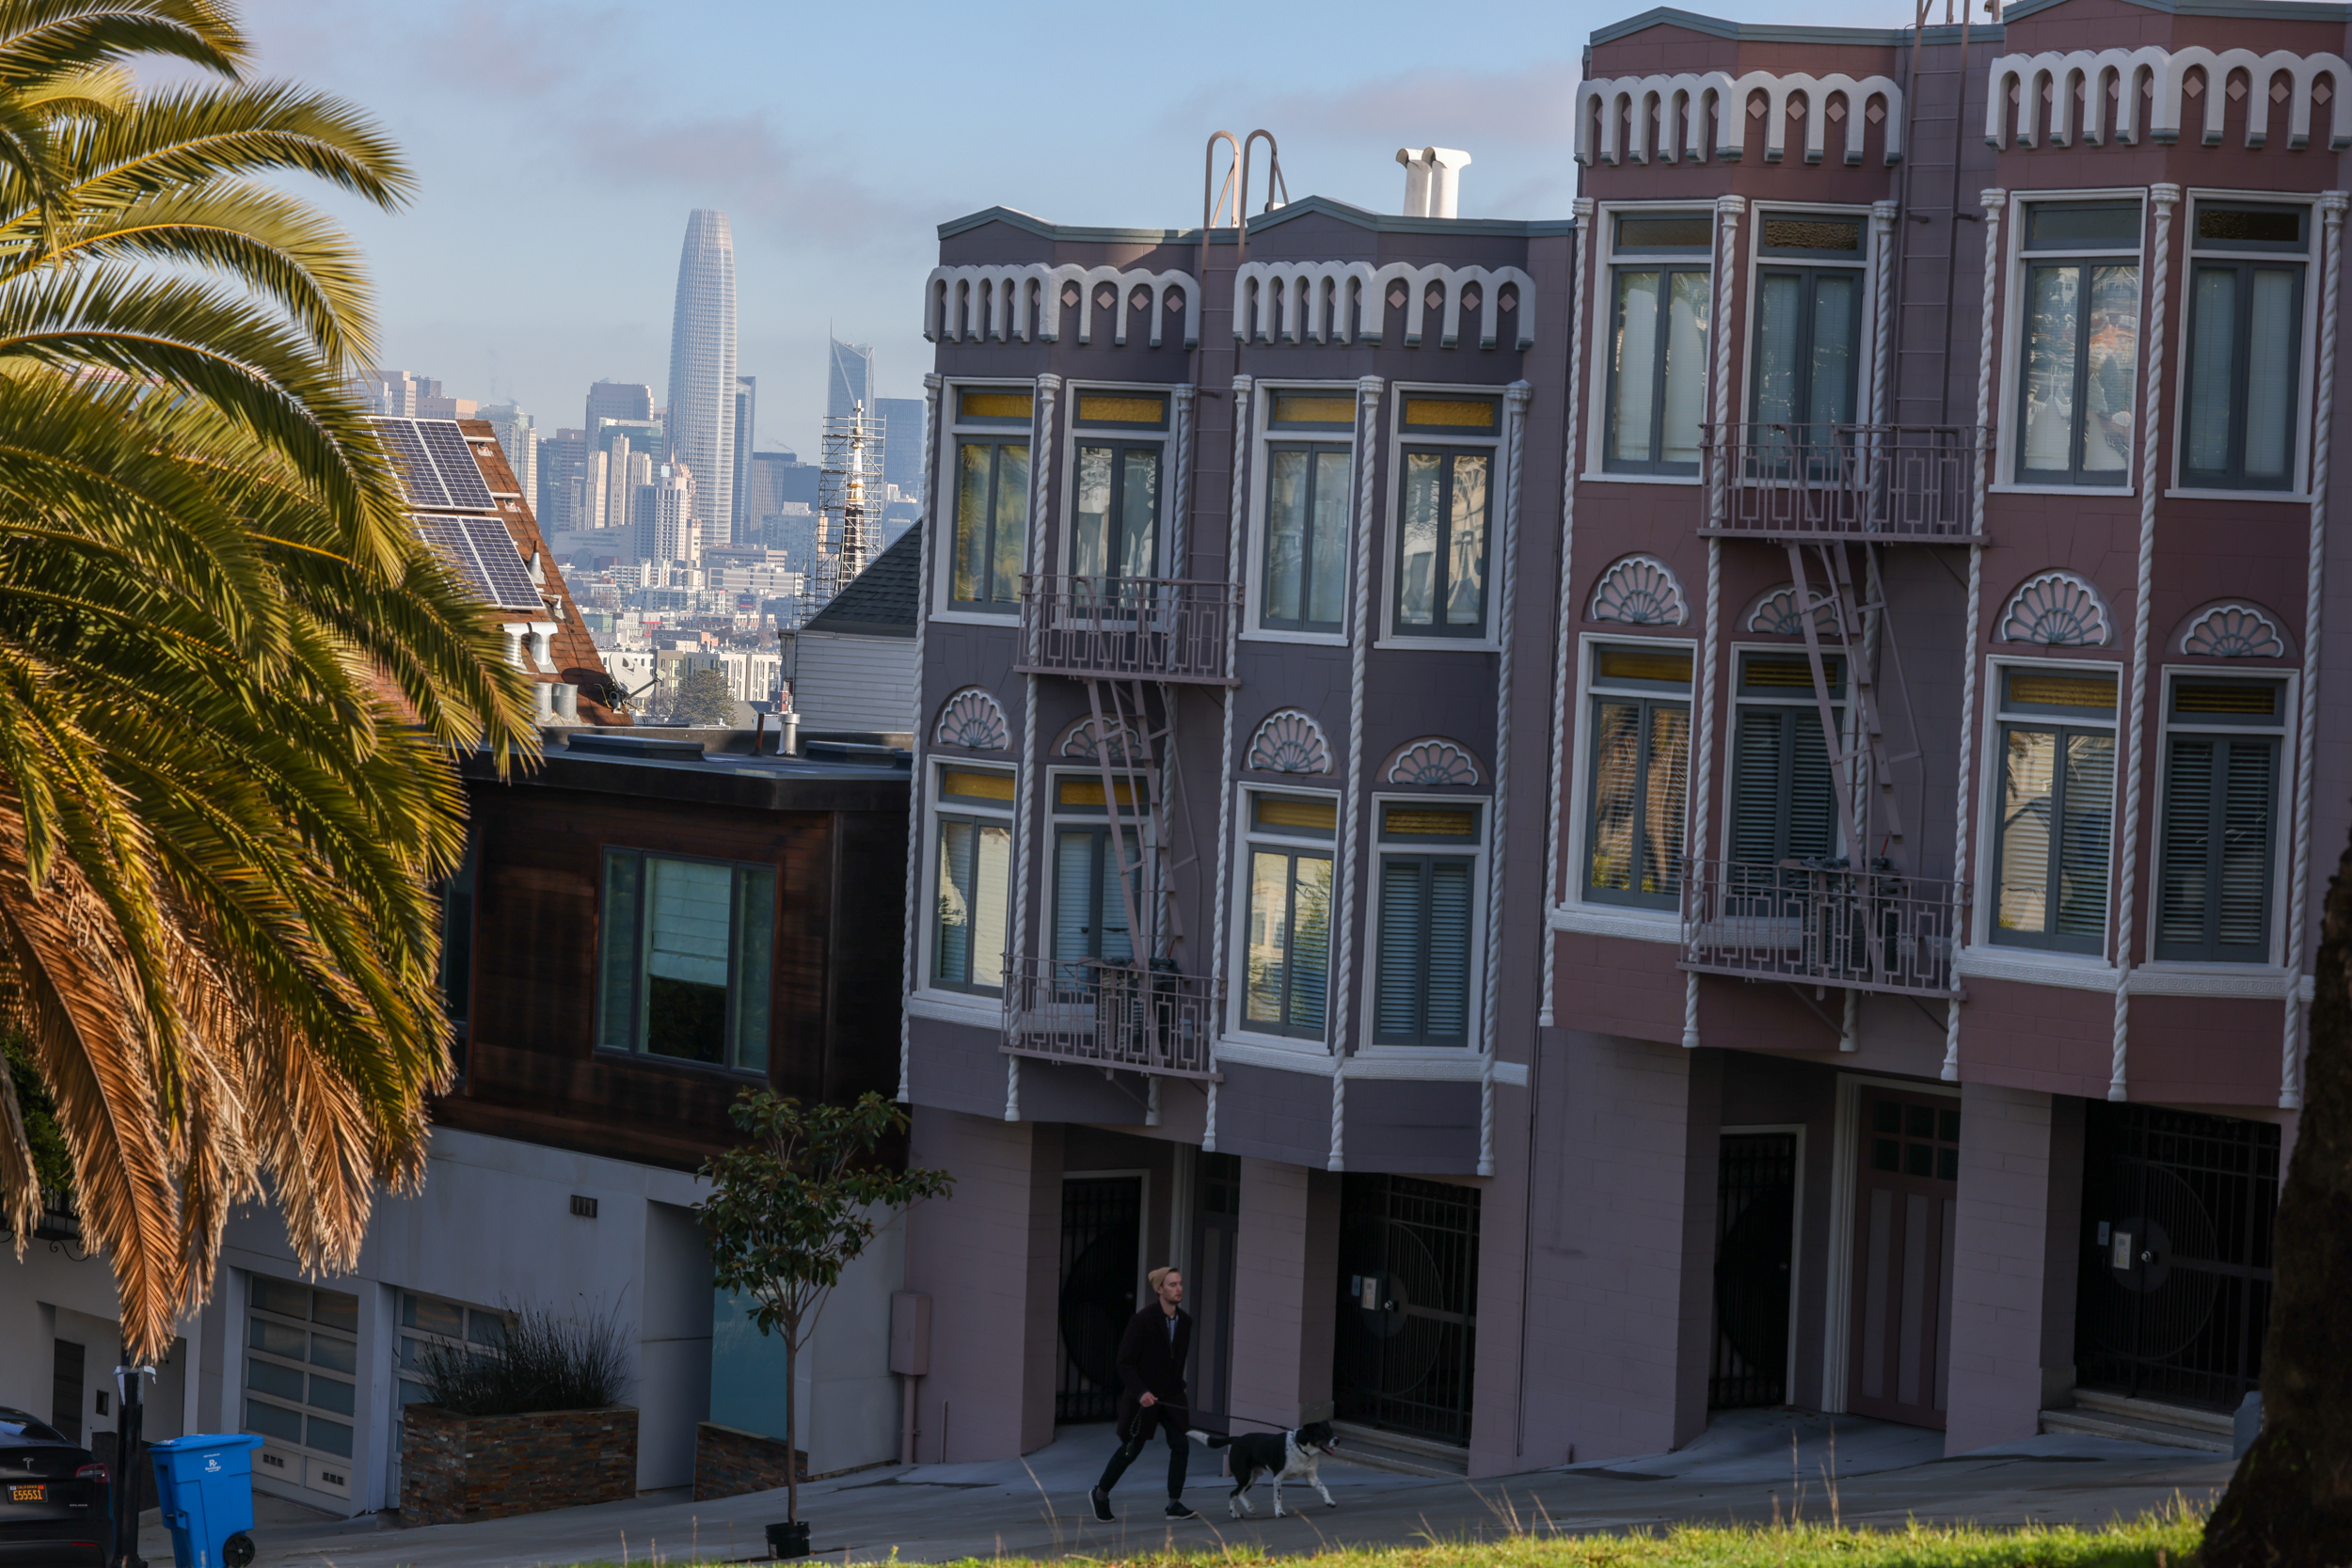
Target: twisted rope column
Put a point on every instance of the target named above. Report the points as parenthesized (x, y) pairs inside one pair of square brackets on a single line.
[(1235, 533), (1882, 216), (2332, 207), (914, 783), (1515, 400), (1695, 832), (1368, 391), (1554, 880), (1996, 202), (2165, 196), (1180, 504), (1024, 788)]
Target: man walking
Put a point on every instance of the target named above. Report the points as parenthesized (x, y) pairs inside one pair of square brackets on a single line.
[(1151, 1356)]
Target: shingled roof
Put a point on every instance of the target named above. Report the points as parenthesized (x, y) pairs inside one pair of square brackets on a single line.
[(880, 601)]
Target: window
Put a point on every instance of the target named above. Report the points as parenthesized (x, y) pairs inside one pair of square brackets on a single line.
[(1443, 531), (992, 499), (2081, 353), (1306, 513), (2244, 347), (1658, 343), (689, 951), (2220, 820), (1091, 915), (458, 903), (1784, 804), (301, 1365), (1115, 513), (1287, 936), (427, 1321), (973, 888), (1809, 325), (2057, 809), (1422, 990), (1640, 761)]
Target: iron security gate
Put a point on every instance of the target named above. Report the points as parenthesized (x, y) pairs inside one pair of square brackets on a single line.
[(1101, 1235), (2175, 1285), (1408, 1331), (1756, 1206)]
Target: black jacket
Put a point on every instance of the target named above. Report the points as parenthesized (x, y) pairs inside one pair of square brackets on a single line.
[(1152, 1361)]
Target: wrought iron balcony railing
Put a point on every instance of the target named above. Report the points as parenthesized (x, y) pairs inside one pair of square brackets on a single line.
[(1879, 482), (1128, 628), (1866, 930), (58, 1222), (1112, 1016)]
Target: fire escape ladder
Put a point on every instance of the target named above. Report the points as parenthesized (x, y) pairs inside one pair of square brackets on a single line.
[(1862, 760)]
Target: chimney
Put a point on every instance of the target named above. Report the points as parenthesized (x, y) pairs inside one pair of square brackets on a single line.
[(1432, 181)]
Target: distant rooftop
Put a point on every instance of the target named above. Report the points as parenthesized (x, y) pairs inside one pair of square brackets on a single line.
[(880, 601)]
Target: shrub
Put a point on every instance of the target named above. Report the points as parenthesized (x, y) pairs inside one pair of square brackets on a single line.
[(546, 1363)]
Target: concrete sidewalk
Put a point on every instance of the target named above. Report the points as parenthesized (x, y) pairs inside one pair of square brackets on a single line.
[(1742, 1469)]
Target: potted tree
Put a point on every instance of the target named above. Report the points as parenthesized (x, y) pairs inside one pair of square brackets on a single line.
[(788, 1211)]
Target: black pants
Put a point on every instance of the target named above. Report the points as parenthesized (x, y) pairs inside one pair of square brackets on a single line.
[(1172, 1421)]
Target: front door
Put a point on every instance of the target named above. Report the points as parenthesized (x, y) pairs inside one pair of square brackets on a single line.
[(1906, 1187), (2175, 1282), (1209, 1289), (1408, 1331), (1755, 1213), (1102, 1243)]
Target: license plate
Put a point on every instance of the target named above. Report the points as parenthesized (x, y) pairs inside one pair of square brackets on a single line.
[(26, 1494)]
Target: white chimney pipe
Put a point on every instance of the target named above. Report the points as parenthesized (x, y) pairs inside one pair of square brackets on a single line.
[(1433, 181)]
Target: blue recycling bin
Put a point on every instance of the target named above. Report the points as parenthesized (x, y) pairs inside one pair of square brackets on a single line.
[(206, 1493)]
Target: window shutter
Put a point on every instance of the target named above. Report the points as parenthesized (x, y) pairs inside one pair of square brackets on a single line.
[(617, 984), (1756, 786), (2187, 842), (1395, 1013), (1448, 985), (2243, 928)]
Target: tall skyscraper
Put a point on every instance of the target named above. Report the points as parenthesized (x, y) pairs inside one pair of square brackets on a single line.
[(700, 419), (618, 400), (902, 443), (746, 416), (518, 437), (848, 378)]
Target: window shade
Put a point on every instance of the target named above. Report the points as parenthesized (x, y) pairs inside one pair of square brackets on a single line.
[(1396, 991), (1447, 971), (1421, 992), (616, 979), (2214, 890), (2086, 816)]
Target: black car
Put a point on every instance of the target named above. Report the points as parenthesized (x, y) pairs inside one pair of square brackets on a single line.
[(53, 1496)]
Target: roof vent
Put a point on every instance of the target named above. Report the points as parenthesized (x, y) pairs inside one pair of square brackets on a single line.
[(1432, 179)]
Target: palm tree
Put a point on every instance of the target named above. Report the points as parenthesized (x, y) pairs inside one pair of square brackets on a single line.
[(232, 681)]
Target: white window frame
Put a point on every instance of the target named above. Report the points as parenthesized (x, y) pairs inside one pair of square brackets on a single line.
[(1476, 1044), (951, 431), (1581, 776), (2007, 431), (1600, 296), (1733, 702), (1490, 641), (2305, 386), (2282, 813), (1236, 1025), (1986, 869), (1866, 341), (949, 998), (1164, 437), (1263, 436), (1135, 818)]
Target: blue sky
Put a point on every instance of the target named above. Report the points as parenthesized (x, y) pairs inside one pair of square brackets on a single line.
[(559, 148)]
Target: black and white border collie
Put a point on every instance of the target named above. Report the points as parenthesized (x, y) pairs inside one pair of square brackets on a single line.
[(1283, 1455)]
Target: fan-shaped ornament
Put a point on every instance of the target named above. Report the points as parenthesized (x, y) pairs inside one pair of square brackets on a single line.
[(1433, 762), (972, 720), (1082, 741), (1290, 742), (2056, 610), (2235, 631), (1777, 614), (1640, 591)]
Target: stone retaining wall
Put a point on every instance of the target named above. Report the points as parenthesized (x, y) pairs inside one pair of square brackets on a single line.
[(728, 1463), (455, 1467)]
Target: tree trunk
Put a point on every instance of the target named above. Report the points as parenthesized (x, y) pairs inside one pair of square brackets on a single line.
[(2290, 1504), (791, 1423)]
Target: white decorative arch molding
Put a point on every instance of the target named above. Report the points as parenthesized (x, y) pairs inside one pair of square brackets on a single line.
[(974, 720), (1016, 303), (1776, 613), (1289, 741), (1083, 742), (1432, 760), (1325, 302), (2163, 75), (1671, 114), (2057, 609), (1640, 591), (2233, 631)]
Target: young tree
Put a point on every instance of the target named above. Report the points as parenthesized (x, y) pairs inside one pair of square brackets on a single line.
[(790, 1210), (2290, 1504), (705, 698)]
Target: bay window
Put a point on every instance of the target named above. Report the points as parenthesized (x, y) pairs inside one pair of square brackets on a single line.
[(2244, 346), (1660, 293), (2218, 853), (1427, 915), (1115, 508), (1308, 463), (1808, 328), (1287, 927), (1444, 520), (2054, 828), (2080, 364), (972, 880), (1640, 765), (989, 548)]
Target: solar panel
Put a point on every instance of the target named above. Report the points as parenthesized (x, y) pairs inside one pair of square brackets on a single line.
[(484, 555), (416, 466), (455, 460)]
